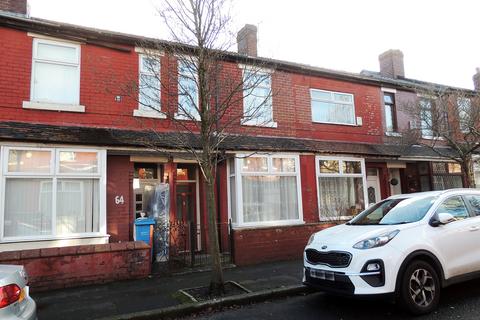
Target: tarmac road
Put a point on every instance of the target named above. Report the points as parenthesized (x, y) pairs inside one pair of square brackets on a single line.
[(461, 301)]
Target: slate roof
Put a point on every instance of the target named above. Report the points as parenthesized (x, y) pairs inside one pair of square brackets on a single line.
[(118, 138)]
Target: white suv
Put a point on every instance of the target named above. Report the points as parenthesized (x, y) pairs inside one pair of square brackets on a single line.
[(408, 246)]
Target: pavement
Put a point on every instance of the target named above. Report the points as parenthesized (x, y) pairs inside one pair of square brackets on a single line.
[(157, 296)]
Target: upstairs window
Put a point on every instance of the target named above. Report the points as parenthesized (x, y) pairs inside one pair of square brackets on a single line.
[(55, 72), (464, 108), (390, 112), (332, 107), (149, 84), (257, 100), (188, 102)]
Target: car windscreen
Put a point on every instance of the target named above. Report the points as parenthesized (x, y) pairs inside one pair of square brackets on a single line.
[(395, 211)]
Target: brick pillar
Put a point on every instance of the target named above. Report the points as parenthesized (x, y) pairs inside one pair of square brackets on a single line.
[(247, 40), (391, 64)]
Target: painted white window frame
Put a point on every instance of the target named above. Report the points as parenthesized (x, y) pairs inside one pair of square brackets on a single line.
[(52, 105), (140, 111), (341, 174), (462, 113), (269, 102), (354, 116), (187, 59), (238, 187), (54, 175)]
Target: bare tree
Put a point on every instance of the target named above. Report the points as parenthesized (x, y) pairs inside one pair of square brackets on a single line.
[(194, 83), (444, 117)]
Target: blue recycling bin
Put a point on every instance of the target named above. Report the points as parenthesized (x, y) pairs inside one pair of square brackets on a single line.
[(144, 230)]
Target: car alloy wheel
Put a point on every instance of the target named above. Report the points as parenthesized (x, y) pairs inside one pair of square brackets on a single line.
[(422, 287), (419, 288)]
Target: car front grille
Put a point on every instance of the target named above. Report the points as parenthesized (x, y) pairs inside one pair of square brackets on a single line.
[(334, 259)]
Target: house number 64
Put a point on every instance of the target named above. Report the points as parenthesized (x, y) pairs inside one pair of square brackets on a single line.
[(119, 200)]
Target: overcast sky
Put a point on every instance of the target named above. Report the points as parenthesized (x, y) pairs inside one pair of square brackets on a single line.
[(439, 38)]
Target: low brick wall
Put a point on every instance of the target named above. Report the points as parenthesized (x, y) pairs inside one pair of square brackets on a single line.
[(258, 245), (55, 268)]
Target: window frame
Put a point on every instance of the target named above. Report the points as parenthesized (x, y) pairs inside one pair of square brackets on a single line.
[(48, 104), (54, 176), (239, 195), (251, 122), (179, 115), (393, 110), (340, 174), (140, 111), (354, 113)]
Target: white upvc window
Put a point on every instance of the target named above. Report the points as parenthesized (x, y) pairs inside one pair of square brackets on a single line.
[(52, 193), (332, 107), (464, 111), (55, 79), (257, 98), (265, 190), (188, 100), (341, 185), (149, 90)]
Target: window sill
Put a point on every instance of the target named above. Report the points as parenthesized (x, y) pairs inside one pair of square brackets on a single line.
[(149, 114), (61, 238), (254, 225), (432, 138), (338, 124), (182, 117), (393, 134), (53, 106), (271, 124)]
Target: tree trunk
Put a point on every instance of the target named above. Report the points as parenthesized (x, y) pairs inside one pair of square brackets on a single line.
[(469, 174), (216, 282)]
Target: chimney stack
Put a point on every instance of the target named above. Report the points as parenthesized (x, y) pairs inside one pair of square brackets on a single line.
[(14, 6), (247, 40), (476, 80), (391, 64)]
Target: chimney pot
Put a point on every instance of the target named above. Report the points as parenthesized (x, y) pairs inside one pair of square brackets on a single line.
[(476, 80), (247, 40), (391, 64), (14, 6)]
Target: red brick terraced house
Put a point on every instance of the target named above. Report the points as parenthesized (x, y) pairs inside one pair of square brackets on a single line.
[(73, 156)]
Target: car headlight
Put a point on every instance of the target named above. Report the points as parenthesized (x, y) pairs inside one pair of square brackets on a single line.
[(377, 241), (310, 240)]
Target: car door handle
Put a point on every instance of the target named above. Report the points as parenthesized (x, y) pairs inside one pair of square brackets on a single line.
[(474, 228)]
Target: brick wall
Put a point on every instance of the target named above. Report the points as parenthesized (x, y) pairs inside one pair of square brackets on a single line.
[(55, 268), (106, 73), (119, 184), (259, 245)]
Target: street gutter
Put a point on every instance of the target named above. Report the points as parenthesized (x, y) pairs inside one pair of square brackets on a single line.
[(186, 309)]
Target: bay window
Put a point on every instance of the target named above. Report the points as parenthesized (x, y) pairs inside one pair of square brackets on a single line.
[(341, 187), (265, 190), (52, 193)]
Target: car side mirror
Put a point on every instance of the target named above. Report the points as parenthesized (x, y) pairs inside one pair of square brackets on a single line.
[(441, 219)]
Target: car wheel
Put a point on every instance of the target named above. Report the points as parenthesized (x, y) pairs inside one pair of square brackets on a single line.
[(420, 288)]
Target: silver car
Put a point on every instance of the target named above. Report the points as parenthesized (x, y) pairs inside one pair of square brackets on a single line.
[(15, 301)]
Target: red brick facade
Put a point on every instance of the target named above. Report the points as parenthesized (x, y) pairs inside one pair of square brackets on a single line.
[(107, 74)]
